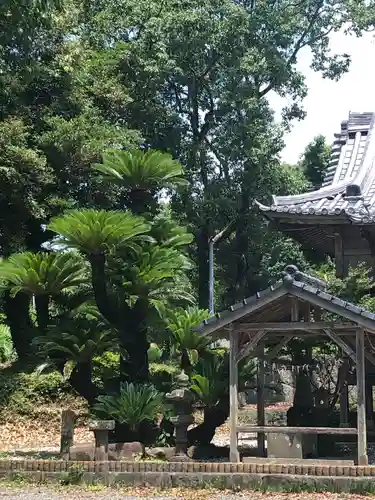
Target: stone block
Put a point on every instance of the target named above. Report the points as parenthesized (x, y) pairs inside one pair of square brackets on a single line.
[(297, 445), (102, 425), (116, 451), (161, 453), (284, 445)]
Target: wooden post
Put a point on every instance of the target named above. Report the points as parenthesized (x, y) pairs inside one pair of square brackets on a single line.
[(361, 399), (369, 406), (260, 403), (344, 393), (68, 419), (339, 255), (233, 396)]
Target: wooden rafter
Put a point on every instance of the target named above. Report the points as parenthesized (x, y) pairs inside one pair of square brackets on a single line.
[(245, 351), (293, 326), (343, 345), (275, 350)]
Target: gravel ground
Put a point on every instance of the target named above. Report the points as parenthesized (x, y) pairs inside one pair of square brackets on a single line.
[(41, 493)]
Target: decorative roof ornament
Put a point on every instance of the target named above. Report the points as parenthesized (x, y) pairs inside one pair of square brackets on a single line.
[(292, 273)]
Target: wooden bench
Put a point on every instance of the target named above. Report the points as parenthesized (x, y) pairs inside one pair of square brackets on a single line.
[(293, 442)]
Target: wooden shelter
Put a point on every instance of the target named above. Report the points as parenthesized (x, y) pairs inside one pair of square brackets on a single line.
[(337, 218), (292, 308)]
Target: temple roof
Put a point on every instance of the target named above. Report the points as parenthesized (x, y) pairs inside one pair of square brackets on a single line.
[(348, 189)]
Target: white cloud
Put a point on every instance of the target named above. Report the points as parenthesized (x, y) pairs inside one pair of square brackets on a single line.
[(328, 102)]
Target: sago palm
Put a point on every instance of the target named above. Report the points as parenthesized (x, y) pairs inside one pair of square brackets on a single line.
[(98, 231), (168, 233), (190, 344), (157, 274), (210, 381), (43, 273), (141, 170), (134, 405)]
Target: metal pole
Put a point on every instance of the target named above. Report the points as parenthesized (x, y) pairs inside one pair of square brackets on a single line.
[(211, 276)]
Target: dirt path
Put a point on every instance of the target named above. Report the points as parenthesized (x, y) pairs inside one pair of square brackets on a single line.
[(45, 493)]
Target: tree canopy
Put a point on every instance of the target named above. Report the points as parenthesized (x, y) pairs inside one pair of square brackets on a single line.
[(132, 132)]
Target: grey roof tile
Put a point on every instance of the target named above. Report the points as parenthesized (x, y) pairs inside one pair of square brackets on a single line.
[(351, 170), (293, 279)]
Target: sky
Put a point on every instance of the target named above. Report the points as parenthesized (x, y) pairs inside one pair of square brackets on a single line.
[(328, 102)]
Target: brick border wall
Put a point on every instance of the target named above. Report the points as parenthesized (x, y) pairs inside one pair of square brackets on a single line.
[(58, 466)]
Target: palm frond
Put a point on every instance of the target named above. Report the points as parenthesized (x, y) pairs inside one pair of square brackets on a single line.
[(43, 273), (134, 405), (137, 169), (99, 231)]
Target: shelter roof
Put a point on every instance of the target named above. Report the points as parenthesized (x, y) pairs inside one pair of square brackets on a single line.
[(348, 190), (273, 304)]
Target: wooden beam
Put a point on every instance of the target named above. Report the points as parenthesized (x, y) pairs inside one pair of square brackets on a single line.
[(261, 415), (293, 326), (294, 309), (368, 356), (344, 346), (253, 342), (361, 399), (344, 393), (307, 312), (275, 350), (233, 396), (331, 306), (246, 429)]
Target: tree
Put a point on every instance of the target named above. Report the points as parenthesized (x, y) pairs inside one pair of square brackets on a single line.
[(141, 173), (315, 160), (206, 101)]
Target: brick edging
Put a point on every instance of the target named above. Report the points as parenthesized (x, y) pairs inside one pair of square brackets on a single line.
[(7, 466)]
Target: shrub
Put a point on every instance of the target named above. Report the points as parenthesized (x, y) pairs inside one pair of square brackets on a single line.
[(134, 405)]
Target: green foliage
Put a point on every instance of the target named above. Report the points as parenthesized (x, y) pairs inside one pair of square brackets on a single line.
[(154, 353), (210, 379), (6, 344), (181, 324), (135, 404), (160, 275), (22, 392), (315, 160), (162, 375), (97, 231), (43, 273), (356, 287), (87, 340), (73, 475), (139, 169)]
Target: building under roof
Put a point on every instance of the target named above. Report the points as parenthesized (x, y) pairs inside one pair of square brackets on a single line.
[(337, 219)]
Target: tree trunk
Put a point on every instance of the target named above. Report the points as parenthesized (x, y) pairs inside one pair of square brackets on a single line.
[(135, 366), (20, 324), (213, 418), (99, 284), (142, 202), (203, 267), (42, 312), (81, 381)]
